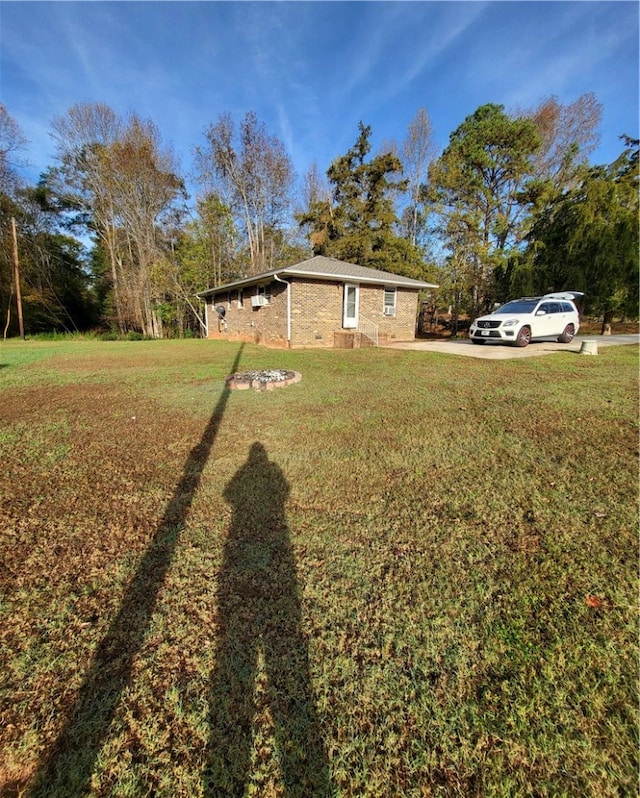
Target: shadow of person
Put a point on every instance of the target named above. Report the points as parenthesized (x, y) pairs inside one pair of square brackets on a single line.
[(259, 620), (67, 768)]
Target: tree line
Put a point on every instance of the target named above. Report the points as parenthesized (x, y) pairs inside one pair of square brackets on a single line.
[(109, 239)]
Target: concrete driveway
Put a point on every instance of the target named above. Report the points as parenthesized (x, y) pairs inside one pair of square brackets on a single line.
[(491, 351)]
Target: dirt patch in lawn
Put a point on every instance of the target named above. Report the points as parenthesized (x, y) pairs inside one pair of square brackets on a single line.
[(88, 474)]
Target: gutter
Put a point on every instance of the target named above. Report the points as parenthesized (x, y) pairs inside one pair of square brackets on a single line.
[(288, 284)]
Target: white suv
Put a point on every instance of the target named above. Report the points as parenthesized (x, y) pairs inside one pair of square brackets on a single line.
[(523, 320)]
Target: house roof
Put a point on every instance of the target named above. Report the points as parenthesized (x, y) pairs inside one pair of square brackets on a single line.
[(323, 268)]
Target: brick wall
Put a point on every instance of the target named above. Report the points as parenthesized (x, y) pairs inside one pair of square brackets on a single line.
[(266, 325), (402, 326), (316, 314)]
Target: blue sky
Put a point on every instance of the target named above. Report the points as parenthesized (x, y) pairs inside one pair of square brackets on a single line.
[(311, 71)]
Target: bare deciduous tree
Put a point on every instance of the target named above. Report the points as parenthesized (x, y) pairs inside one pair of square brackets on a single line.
[(144, 185), (253, 173), (418, 151), (12, 141), (83, 136), (569, 136), (121, 177)]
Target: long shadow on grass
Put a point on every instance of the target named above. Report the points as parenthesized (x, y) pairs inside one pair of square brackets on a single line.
[(261, 686), (68, 767)]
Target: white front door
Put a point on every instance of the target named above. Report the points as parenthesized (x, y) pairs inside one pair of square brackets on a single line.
[(350, 306)]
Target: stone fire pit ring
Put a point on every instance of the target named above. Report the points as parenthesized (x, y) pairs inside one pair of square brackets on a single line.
[(265, 380)]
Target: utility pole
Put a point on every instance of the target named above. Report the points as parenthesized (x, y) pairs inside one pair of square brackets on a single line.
[(16, 277)]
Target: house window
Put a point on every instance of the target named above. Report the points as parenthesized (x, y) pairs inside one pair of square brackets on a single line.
[(265, 291), (262, 296), (389, 301), (239, 298)]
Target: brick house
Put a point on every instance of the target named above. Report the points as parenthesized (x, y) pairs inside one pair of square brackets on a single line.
[(320, 302)]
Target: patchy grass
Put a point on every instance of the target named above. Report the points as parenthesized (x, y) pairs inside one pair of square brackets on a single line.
[(408, 575)]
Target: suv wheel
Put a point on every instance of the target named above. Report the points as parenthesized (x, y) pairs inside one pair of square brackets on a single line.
[(567, 335), (524, 337)]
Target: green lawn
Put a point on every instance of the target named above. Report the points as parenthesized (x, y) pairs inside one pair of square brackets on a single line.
[(410, 574)]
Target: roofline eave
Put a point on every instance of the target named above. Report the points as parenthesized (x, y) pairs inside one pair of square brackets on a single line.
[(256, 279)]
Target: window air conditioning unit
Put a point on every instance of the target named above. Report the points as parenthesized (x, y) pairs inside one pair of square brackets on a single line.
[(258, 301), (389, 312)]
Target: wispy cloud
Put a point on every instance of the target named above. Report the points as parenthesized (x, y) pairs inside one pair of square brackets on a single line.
[(570, 54), (312, 70), (447, 32)]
